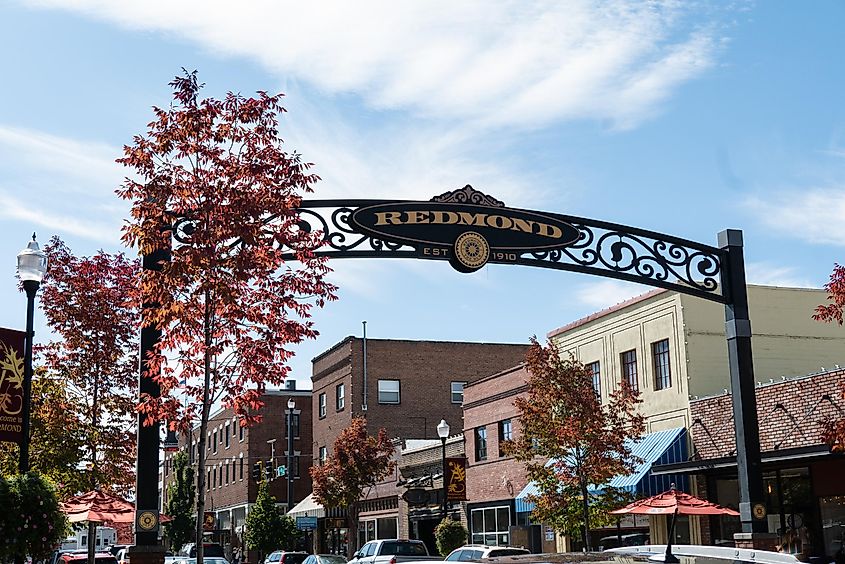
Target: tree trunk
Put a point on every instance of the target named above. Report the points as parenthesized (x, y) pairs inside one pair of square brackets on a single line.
[(92, 525), (352, 513), (202, 431), (586, 508)]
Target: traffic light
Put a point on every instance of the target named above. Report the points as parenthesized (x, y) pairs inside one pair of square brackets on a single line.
[(256, 471), (268, 470)]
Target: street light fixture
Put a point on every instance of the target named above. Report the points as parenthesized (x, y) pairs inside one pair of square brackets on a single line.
[(32, 265), (443, 433), (289, 473)]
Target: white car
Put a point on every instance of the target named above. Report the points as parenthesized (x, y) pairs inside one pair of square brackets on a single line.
[(483, 551)]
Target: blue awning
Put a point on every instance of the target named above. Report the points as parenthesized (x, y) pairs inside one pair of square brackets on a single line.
[(660, 447)]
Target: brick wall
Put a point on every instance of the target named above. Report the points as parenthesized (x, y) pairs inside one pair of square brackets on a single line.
[(425, 370), (486, 403), (221, 492), (789, 414)]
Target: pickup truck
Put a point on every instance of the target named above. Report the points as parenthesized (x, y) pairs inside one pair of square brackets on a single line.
[(391, 551)]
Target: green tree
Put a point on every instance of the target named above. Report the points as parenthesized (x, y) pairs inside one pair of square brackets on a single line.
[(449, 534), (31, 522), (267, 527), (57, 437), (570, 440), (180, 502), (359, 461)]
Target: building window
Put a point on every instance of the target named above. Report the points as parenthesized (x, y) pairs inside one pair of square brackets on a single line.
[(208, 480), (294, 422), (458, 392), (214, 478), (322, 406), (214, 442), (340, 396), (491, 526), (388, 391), (481, 443), (595, 369), (226, 432), (505, 433), (242, 468), (662, 370), (629, 369), (241, 433), (226, 464), (323, 455)]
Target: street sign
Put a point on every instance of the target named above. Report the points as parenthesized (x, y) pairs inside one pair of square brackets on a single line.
[(281, 471), (306, 523)]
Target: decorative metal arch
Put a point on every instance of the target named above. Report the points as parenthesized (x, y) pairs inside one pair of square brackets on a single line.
[(602, 248)]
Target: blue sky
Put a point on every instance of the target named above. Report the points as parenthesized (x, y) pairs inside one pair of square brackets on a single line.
[(680, 117)]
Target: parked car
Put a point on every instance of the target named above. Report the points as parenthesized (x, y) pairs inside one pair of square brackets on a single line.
[(76, 558), (205, 559), (282, 557), (391, 551), (117, 548), (209, 550), (325, 559), (483, 551)]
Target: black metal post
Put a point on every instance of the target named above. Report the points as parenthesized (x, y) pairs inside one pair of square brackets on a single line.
[(31, 288), (741, 364), (146, 481), (289, 472), (670, 558), (445, 483)]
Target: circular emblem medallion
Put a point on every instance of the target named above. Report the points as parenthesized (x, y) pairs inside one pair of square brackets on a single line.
[(147, 520), (472, 250), (759, 511)]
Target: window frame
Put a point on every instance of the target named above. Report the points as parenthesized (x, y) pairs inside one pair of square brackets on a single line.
[(662, 380), (321, 405), (595, 369), (453, 392), (227, 441), (502, 433), (322, 455), (398, 392), (340, 397), (628, 361), (481, 451)]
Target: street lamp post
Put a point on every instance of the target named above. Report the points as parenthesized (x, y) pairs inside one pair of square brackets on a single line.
[(289, 473), (443, 433), (32, 265)]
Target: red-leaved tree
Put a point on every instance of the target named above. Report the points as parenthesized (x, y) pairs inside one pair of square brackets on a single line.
[(228, 305), (358, 462), (91, 304), (833, 430), (569, 440)]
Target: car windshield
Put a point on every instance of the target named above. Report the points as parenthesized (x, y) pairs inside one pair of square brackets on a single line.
[(332, 559), (275, 557), (404, 548), (295, 558)]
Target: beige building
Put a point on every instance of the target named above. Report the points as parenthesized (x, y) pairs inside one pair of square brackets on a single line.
[(672, 346)]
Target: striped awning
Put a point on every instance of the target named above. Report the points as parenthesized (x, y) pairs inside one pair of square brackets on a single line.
[(660, 447), (308, 507)]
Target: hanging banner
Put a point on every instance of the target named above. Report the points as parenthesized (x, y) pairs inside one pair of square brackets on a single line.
[(11, 385), (456, 479)]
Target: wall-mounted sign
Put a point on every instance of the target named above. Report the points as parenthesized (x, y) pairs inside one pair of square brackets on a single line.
[(456, 479), (306, 523), (209, 519), (416, 496), (465, 226), (11, 385)]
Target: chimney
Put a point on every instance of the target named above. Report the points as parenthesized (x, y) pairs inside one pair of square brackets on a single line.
[(290, 384)]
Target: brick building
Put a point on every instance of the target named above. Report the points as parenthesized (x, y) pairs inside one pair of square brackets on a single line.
[(404, 386), (231, 451), (805, 493)]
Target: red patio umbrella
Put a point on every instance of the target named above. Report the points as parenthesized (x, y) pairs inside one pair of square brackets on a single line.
[(673, 502), (100, 507)]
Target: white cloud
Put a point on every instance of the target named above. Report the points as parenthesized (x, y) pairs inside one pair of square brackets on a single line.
[(769, 274), (61, 185), (606, 293), (496, 63), (814, 214)]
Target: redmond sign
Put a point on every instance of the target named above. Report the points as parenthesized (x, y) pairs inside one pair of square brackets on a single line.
[(467, 233)]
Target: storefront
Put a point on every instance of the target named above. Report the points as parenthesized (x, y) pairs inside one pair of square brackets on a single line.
[(805, 499)]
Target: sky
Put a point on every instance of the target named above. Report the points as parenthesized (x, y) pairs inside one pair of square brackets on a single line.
[(684, 118)]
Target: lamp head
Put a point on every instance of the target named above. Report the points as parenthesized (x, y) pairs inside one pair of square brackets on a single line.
[(291, 403), (32, 263), (442, 429)]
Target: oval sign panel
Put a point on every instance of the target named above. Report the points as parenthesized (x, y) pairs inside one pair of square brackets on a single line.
[(416, 496), (473, 233)]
